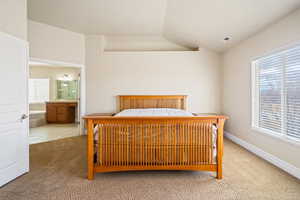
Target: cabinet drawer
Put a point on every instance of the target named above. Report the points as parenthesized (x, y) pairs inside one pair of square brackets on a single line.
[(63, 118), (62, 109)]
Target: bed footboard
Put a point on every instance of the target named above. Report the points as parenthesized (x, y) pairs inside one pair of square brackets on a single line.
[(155, 143)]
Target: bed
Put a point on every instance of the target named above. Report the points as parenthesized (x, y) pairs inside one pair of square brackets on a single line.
[(154, 133)]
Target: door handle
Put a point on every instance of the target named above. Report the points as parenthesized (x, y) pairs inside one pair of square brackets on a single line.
[(23, 117)]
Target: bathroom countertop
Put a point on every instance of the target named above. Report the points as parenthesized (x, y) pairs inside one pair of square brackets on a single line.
[(61, 101)]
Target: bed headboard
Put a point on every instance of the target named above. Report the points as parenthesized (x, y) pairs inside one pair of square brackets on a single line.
[(152, 101)]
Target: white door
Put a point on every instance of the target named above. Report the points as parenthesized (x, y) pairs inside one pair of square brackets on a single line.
[(14, 146)]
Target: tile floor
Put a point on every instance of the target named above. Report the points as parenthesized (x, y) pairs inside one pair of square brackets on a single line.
[(51, 132)]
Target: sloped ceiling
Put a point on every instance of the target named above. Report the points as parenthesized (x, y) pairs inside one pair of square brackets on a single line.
[(190, 23), (208, 22), (109, 17)]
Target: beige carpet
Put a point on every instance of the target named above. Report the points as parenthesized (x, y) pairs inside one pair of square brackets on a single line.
[(58, 172)]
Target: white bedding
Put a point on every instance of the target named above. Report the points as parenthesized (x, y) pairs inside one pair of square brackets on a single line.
[(154, 112)]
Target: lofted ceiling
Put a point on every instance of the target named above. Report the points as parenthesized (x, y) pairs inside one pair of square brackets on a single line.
[(190, 23), (109, 17), (207, 22)]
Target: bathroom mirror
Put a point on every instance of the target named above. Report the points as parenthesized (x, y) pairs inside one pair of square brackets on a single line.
[(67, 90)]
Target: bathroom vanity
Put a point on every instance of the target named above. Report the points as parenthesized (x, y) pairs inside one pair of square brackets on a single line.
[(61, 111)]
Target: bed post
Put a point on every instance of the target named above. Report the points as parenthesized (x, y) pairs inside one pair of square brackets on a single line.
[(221, 122), (90, 149)]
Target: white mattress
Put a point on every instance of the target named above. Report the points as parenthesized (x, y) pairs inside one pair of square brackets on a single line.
[(154, 112)]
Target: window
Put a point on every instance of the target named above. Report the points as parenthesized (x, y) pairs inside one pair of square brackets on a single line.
[(276, 93), (38, 90)]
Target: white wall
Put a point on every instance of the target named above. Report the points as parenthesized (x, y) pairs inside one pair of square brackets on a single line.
[(237, 85), (13, 18), (109, 74), (55, 44)]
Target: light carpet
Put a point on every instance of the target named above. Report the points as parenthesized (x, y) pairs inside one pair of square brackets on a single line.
[(58, 172)]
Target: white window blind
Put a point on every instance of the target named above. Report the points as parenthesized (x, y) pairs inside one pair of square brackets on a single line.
[(38, 90), (276, 93)]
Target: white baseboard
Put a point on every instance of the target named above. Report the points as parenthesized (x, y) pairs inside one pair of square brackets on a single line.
[(291, 169)]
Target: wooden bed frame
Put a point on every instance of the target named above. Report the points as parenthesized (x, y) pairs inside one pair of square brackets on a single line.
[(154, 143)]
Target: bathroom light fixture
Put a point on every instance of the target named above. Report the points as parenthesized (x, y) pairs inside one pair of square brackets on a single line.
[(66, 77), (226, 39)]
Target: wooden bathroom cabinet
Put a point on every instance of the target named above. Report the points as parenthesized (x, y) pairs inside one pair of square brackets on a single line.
[(61, 112)]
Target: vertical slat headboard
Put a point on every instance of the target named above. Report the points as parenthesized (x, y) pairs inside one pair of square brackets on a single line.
[(152, 101)]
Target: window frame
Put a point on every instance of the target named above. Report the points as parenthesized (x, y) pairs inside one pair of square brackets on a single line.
[(255, 101), (39, 102)]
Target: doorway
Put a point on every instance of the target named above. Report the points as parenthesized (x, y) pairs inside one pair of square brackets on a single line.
[(54, 101)]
